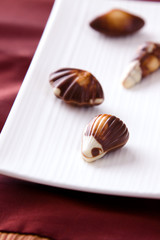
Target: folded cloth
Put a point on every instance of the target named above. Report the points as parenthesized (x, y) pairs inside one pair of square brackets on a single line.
[(64, 214), (32, 209)]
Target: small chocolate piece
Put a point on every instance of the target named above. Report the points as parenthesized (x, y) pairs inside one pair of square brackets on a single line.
[(77, 86), (116, 23), (103, 134), (146, 62)]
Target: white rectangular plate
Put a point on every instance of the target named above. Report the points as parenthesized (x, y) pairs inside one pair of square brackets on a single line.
[(41, 140)]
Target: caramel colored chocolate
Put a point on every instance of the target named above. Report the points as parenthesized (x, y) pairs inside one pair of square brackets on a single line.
[(149, 57), (146, 62), (117, 23), (108, 130), (103, 134), (77, 86)]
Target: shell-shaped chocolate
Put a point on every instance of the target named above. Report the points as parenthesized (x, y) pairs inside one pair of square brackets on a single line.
[(146, 62), (148, 55), (77, 86), (117, 23), (103, 134)]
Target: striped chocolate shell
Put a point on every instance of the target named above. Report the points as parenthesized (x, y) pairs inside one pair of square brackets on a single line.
[(103, 134), (146, 62), (75, 86)]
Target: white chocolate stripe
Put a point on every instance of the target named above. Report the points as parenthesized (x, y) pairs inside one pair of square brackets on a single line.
[(132, 75), (88, 143)]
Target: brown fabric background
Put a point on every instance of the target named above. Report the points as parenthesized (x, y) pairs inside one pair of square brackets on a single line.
[(21, 25), (51, 212), (64, 214)]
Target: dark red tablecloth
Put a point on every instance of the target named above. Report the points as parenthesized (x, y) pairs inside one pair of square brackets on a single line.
[(51, 212)]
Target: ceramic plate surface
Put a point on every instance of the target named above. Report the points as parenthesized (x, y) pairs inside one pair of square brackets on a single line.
[(41, 140)]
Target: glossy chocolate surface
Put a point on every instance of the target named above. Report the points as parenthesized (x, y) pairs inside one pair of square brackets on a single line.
[(117, 23), (77, 86), (149, 57), (109, 131)]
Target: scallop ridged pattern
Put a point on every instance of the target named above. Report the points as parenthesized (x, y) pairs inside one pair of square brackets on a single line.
[(77, 86), (109, 131)]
